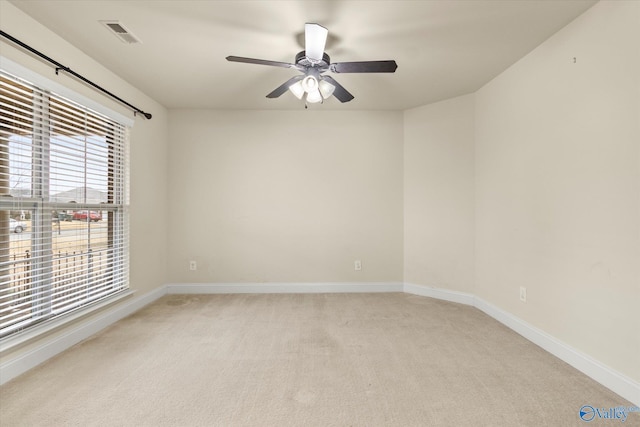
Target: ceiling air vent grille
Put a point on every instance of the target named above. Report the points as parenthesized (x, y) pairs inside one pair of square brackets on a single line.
[(121, 31)]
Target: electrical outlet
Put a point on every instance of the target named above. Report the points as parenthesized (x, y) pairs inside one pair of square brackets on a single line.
[(523, 294), (357, 265), (193, 266)]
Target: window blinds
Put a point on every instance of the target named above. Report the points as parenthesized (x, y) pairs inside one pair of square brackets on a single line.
[(63, 205)]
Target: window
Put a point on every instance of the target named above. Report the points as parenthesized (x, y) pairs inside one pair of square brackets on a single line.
[(63, 206)]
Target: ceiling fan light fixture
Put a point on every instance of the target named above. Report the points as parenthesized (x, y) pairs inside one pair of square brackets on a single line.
[(316, 90)]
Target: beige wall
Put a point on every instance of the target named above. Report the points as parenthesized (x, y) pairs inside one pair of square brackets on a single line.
[(285, 196), (149, 148), (439, 195), (558, 186)]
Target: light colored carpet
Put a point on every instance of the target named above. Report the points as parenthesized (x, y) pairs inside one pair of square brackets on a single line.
[(303, 360)]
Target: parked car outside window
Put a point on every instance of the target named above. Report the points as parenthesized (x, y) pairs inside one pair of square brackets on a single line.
[(17, 226), (61, 216), (82, 216)]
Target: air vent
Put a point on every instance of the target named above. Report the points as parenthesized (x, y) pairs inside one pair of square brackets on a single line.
[(121, 31)]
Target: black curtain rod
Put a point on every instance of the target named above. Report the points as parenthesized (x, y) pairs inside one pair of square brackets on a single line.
[(60, 67)]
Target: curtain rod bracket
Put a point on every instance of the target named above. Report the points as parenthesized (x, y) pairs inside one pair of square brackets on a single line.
[(61, 68)]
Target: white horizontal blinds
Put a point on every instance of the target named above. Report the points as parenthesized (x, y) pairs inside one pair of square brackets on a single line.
[(67, 178), (17, 115), (16, 200)]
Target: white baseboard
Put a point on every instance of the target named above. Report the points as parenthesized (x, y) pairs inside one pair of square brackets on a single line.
[(33, 358), (282, 288), (441, 294), (608, 377), (613, 380)]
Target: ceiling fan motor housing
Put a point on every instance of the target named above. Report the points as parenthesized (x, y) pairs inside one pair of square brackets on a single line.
[(303, 61)]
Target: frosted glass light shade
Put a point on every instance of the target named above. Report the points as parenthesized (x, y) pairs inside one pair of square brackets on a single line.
[(314, 97), (309, 84), (297, 89), (326, 89)]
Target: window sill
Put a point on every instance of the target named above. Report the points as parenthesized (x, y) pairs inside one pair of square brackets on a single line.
[(35, 332)]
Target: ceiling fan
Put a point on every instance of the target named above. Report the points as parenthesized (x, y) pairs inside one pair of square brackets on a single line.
[(313, 62)]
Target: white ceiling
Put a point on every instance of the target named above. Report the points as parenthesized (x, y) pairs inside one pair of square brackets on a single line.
[(444, 48)]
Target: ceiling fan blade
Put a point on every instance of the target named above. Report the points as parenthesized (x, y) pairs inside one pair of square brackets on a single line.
[(260, 62), (340, 92), (284, 87), (315, 38), (365, 67)]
